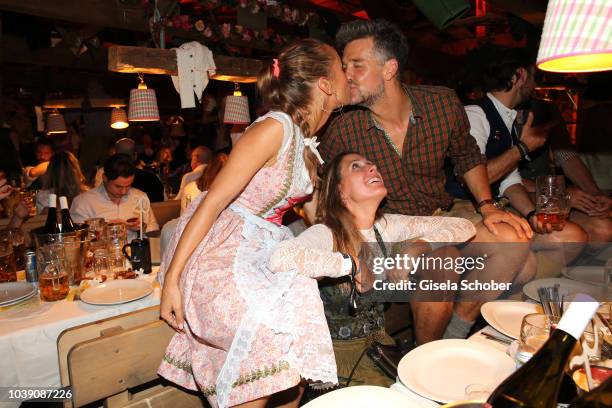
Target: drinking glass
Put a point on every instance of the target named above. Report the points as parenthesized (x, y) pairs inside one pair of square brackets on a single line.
[(16, 238), (30, 198), (8, 272), (52, 273), (96, 226), (101, 265), (535, 330), (116, 234), (552, 201), (478, 392)]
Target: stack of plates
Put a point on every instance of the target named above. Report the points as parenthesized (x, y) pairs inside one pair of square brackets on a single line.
[(441, 370), (506, 316), (12, 293), (567, 287)]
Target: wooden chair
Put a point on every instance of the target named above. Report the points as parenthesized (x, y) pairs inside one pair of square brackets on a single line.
[(165, 211), (106, 360)]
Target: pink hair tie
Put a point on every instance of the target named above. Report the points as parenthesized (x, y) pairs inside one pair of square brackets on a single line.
[(275, 68)]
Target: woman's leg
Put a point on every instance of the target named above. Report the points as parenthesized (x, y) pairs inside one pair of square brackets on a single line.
[(258, 403), (289, 398)]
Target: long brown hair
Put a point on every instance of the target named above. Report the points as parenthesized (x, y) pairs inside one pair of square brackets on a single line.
[(300, 65), (332, 211), (210, 172), (64, 176)]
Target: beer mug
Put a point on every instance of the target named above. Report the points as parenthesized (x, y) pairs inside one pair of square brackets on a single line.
[(140, 254), (552, 201)]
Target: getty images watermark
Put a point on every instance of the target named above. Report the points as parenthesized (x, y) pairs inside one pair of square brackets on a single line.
[(383, 267)]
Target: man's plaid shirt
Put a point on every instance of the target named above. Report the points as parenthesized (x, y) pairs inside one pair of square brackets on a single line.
[(438, 129)]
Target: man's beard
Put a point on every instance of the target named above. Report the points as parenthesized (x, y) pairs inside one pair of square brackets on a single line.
[(369, 100)]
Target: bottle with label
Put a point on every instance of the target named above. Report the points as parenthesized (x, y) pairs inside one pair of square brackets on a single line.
[(536, 384), (67, 223), (51, 225)]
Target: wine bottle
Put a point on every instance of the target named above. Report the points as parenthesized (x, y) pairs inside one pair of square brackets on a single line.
[(600, 397), (67, 224), (51, 225), (536, 383)]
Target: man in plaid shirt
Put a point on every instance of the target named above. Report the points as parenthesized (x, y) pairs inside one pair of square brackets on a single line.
[(408, 132)]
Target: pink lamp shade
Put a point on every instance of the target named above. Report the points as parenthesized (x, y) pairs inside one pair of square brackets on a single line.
[(56, 123), (237, 110), (577, 36), (143, 106), (118, 119)]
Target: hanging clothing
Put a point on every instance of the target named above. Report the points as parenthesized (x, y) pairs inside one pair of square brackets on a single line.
[(195, 63)]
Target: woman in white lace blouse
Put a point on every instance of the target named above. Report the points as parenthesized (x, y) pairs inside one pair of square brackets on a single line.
[(349, 214)]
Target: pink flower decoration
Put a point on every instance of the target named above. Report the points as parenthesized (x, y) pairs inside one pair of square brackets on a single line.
[(208, 32), (243, 3)]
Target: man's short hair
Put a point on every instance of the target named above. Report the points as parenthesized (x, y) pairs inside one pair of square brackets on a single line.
[(125, 145), (499, 65), (389, 41), (119, 165), (43, 141)]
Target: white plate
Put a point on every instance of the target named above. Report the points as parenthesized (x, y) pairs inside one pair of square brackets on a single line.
[(13, 291), (567, 287), (589, 274), (362, 396), (18, 301), (440, 370), (116, 291), (506, 316)]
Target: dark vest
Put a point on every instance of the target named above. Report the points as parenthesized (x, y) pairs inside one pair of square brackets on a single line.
[(498, 142)]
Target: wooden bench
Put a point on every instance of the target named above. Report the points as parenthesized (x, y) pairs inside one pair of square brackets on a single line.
[(108, 359)]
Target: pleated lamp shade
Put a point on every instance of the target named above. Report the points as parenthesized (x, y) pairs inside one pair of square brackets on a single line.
[(56, 123), (577, 36), (237, 110), (118, 119), (143, 106)]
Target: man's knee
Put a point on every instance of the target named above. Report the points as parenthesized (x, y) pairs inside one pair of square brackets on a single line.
[(572, 232)]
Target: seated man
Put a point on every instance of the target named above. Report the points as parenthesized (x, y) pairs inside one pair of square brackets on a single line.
[(509, 80), (200, 157), (31, 174), (143, 180), (115, 199), (590, 206)]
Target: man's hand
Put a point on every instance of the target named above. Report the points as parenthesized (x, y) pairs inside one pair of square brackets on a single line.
[(539, 227), (492, 215), (604, 205), (583, 201), (535, 136), (134, 224)]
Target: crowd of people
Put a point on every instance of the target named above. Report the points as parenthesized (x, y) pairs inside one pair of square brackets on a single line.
[(378, 168)]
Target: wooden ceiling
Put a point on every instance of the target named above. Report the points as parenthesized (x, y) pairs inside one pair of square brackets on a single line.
[(38, 36)]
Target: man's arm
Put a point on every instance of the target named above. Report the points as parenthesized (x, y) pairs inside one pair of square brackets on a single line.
[(480, 129), (575, 170)]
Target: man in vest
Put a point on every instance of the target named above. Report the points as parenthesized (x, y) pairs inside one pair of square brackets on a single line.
[(509, 81)]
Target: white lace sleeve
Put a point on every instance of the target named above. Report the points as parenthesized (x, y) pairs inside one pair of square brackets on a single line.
[(310, 254), (430, 229)]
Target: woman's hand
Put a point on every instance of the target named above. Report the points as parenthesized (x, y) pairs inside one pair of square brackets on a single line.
[(171, 308), (5, 189)]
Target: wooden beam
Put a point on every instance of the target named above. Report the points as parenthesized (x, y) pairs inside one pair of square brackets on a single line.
[(103, 13), (163, 62)]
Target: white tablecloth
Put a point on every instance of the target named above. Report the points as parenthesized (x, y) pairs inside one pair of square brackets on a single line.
[(29, 332)]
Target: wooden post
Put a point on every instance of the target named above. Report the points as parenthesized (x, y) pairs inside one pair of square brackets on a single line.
[(163, 62)]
